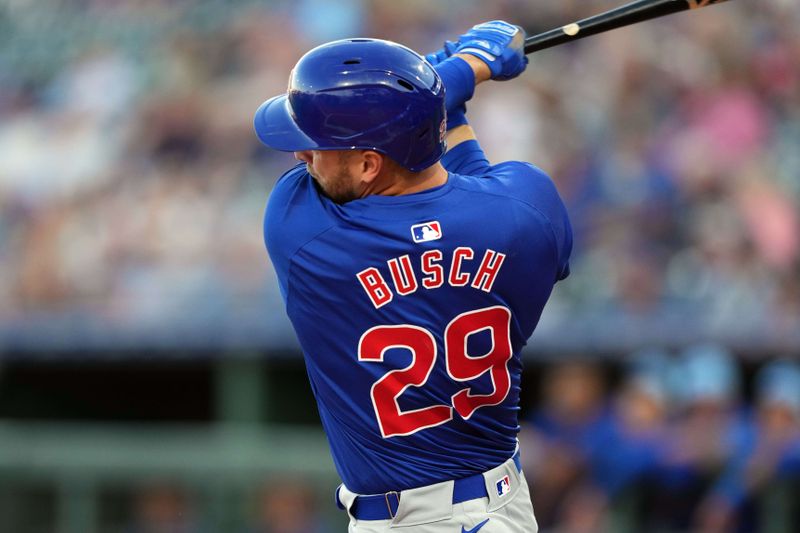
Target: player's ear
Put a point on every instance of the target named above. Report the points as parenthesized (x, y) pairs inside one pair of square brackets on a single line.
[(371, 165)]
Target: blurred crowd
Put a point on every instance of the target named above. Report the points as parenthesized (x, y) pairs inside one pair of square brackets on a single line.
[(673, 443), (660, 442), (132, 186), (277, 506), (132, 190)]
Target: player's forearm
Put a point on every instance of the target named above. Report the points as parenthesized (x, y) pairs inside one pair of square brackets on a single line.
[(460, 74), (459, 80), (463, 132), (478, 66), (458, 135)]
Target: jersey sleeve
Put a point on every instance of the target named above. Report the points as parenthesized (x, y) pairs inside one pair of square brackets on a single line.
[(466, 158), (295, 214), (549, 202), (533, 186)]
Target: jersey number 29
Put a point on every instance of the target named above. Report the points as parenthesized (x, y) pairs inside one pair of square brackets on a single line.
[(460, 367)]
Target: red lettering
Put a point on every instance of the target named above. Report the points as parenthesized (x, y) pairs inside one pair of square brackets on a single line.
[(435, 272), (378, 291), (403, 275), (487, 272), (405, 281), (458, 278)]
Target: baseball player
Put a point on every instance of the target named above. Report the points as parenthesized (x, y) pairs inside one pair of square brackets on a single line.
[(412, 277)]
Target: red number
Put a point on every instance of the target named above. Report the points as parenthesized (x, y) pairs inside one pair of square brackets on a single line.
[(461, 366), (386, 390)]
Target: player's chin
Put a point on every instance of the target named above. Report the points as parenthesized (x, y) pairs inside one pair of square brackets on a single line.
[(341, 197), (338, 195), (333, 189)]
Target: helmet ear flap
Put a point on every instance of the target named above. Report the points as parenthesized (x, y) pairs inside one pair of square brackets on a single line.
[(361, 93)]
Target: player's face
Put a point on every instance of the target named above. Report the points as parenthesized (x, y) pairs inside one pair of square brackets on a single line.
[(331, 169)]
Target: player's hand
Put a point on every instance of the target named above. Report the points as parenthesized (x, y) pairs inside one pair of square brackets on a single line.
[(499, 44), (446, 51)]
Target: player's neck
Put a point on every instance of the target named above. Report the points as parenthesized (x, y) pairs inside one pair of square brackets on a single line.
[(393, 185)]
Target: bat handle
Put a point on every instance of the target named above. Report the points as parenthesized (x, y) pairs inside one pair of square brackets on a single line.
[(519, 39)]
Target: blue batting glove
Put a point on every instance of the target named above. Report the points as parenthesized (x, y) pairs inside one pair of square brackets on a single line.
[(438, 56), (499, 44)]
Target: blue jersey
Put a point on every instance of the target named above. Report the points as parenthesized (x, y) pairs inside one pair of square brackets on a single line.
[(412, 311)]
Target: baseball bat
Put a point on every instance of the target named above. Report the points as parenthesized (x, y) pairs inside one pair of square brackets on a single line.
[(618, 17)]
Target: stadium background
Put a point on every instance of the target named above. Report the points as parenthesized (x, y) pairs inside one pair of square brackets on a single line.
[(149, 381)]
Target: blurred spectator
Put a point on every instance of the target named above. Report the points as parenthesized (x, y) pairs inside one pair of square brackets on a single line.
[(622, 452), (559, 438), (673, 450), (766, 460), (702, 438), (628, 448), (287, 506), (162, 509)]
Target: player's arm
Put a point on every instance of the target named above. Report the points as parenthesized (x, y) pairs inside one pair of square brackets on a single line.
[(460, 131), (491, 50)]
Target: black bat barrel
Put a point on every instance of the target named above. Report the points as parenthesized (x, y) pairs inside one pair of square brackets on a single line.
[(625, 15)]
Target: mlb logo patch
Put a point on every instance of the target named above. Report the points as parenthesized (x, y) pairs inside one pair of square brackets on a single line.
[(503, 486), (427, 231)]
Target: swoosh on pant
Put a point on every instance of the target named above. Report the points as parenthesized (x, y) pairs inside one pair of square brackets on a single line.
[(474, 529)]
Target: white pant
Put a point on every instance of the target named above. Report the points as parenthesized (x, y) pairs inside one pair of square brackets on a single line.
[(431, 509)]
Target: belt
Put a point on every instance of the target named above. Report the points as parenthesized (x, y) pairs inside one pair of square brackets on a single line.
[(384, 506)]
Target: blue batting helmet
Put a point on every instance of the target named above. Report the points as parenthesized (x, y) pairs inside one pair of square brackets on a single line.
[(359, 94)]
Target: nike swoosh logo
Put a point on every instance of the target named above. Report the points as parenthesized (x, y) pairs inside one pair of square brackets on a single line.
[(474, 529)]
